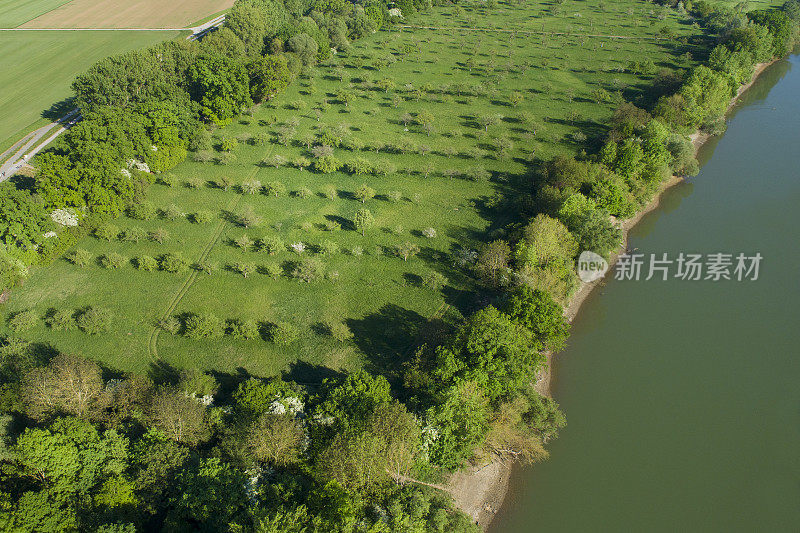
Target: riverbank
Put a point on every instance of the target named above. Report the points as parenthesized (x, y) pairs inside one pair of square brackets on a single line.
[(479, 491)]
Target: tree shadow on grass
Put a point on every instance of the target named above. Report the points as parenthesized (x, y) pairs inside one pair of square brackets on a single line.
[(387, 338), (306, 373)]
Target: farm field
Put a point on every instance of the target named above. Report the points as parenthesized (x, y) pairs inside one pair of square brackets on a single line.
[(14, 13), (122, 14), (35, 72), (432, 108)]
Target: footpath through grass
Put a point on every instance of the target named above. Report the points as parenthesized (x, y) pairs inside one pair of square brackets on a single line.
[(437, 106)]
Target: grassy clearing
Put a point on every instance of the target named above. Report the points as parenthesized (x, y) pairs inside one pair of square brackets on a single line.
[(544, 94), (14, 13), (35, 70)]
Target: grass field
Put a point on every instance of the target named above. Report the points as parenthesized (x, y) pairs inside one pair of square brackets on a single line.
[(125, 14), (14, 13), (548, 94), (37, 69)]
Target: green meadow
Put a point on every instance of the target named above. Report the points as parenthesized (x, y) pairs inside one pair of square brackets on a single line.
[(453, 116)]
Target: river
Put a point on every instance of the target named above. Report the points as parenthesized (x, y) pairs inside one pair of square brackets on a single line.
[(683, 397)]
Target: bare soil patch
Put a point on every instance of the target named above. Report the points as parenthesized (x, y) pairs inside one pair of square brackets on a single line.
[(128, 14)]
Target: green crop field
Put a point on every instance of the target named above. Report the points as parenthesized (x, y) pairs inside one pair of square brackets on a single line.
[(37, 69), (14, 13), (511, 83)]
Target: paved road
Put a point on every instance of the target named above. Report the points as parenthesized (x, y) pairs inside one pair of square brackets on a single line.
[(27, 147)]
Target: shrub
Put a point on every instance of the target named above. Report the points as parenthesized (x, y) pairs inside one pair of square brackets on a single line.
[(194, 183), (395, 196), (309, 269), (159, 235), (80, 257), (272, 244), (107, 232), (434, 280), (284, 333), (224, 182), (134, 234), (228, 144), (172, 212), (303, 192), (275, 188), (94, 320), (327, 164), (243, 329), (332, 225), (202, 217), (146, 263), (328, 247), (173, 262), (23, 320), (62, 320), (273, 270), (112, 260), (170, 325), (430, 233), (244, 242), (142, 211), (203, 326)]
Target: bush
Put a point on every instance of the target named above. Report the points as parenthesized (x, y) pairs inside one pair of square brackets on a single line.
[(80, 257), (202, 217), (327, 164), (172, 212), (309, 269), (284, 333), (275, 188), (107, 232), (173, 262), (194, 183), (112, 260), (273, 270), (303, 192), (328, 247), (146, 263), (170, 325), (434, 280), (228, 144), (203, 326), (272, 244), (62, 320), (142, 211), (134, 234), (243, 329), (94, 320), (23, 320)]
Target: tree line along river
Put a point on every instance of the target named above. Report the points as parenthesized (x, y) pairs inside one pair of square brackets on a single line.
[(682, 397)]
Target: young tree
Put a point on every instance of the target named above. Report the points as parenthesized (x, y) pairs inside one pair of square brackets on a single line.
[(407, 250), (363, 220), (364, 193), (492, 260)]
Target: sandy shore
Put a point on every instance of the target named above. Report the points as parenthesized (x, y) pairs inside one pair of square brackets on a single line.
[(479, 490)]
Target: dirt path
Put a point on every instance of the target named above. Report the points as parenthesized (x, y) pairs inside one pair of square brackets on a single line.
[(152, 339), (29, 148)]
